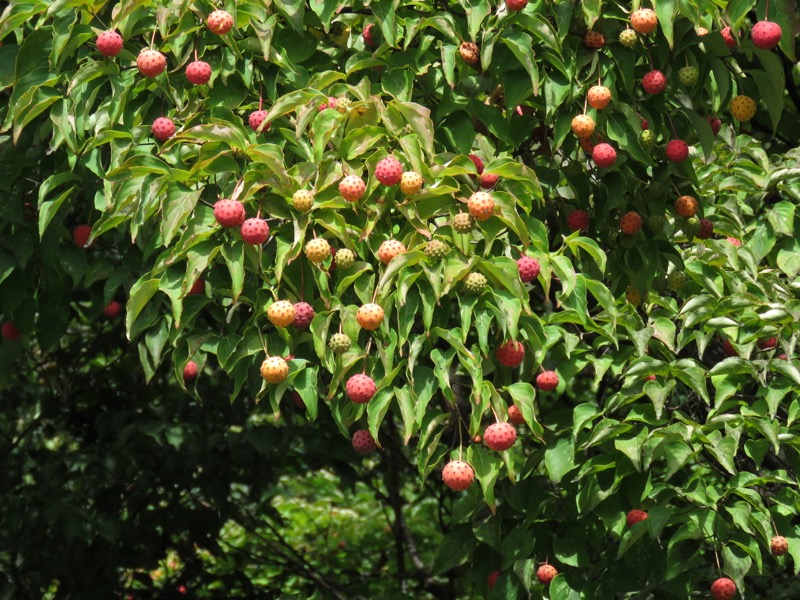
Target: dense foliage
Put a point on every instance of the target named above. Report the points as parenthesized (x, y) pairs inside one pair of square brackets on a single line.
[(430, 189)]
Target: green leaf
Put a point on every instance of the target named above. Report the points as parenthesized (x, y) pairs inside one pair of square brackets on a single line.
[(559, 458)]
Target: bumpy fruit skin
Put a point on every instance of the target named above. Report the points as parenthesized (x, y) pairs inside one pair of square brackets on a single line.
[(274, 369), (151, 62), (491, 579), (583, 126), (81, 235), (635, 516), (475, 283), (743, 108), (302, 200), (515, 415), (677, 151), (688, 76), (654, 82), (644, 20), (255, 231), (516, 5), (628, 38), (778, 545), (546, 573), (727, 36), (470, 52), (198, 72), (360, 388), (647, 139), (256, 118), (190, 371), (281, 313), (339, 343), (481, 206), (343, 105), (458, 475), (594, 39), (578, 220), (163, 128), (344, 258), (370, 316), (220, 22), (112, 310), (9, 331), (528, 268), (500, 436), (389, 171), (630, 223), (587, 144), (410, 183), (229, 213), (547, 381), (723, 589), (632, 295), (510, 354), (463, 223), (477, 162), (436, 250), (706, 229), (675, 280), (317, 250), (598, 96), (488, 180), (604, 155), (352, 188), (655, 223), (303, 315), (363, 442), (766, 35), (686, 206), (109, 43), (389, 250)]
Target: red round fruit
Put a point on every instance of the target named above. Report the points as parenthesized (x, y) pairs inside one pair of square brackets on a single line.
[(363, 443), (594, 39), (635, 516), (547, 381), (730, 42), (723, 589), (546, 573), (528, 268), (706, 229), (198, 287), (515, 415), (511, 354), (9, 331), (645, 125), (677, 151), (163, 128), (256, 118), (768, 344), (81, 235), (229, 213), (352, 188), (190, 371), (716, 124), (198, 72), (488, 180), (644, 20), (604, 155), (516, 5), (360, 388), (389, 171), (151, 62), (491, 579), (654, 82), (500, 436), (478, 164), (766, 35), (112, 310), (366, 35), (778, 545), (578, 220), (220, 22), (109, 43), (458, 475), (255, 231), (303, 315), (630, 223)]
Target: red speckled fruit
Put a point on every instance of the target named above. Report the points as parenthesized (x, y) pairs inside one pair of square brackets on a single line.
[(515, 415), (220, 22), (477, 162), (587, 144), (730, 41), (594, 39), (706, 229), (516, 5), (686, 206), (9, 331), (654, 82), (598, 96), (635, 516), (303, 315), (151, 62), (528, 268), (578, 220), (604, 155), (630, 223), (389, 171), (766, 35), (546, 573), (458, 475), (723, 589), (255, 231), (389, 250), (360, 388), (547, 381), (109, 43), (481, 206), (81, 234), (256, 118), (352, 188), (500, 436), (677, 151), (163, 128), (644, 20), (778, 545), (112, 310), (198, 72), (370, 316), (190, 371), (488, 180), (363, 442), (229, 213), (582, 126), (511, 354)]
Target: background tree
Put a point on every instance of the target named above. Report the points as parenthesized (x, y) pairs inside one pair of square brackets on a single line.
[(549, 247)]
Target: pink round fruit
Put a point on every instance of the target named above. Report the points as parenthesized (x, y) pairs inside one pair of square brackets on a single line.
[(547, 381), (635, 516), (163, 129), (389, 171), (604, 155), (112, 310), (109, 43), (363, 443), (360, 388), (578, 220), (630, 223), (81, 235), (488, 180), (198, 72), (516, 5), (255, 231), (511, 354), (229, 213), (766, 35), (303, 315), (500, 436), (528, 268), (190, 371), (256, 118), (723, 589), (477, 162), (220, 22), (515, 415), (546, 573), (727, 36), (654, 82), (458, 475), (677, 151), (352, 188), (151, 62)]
